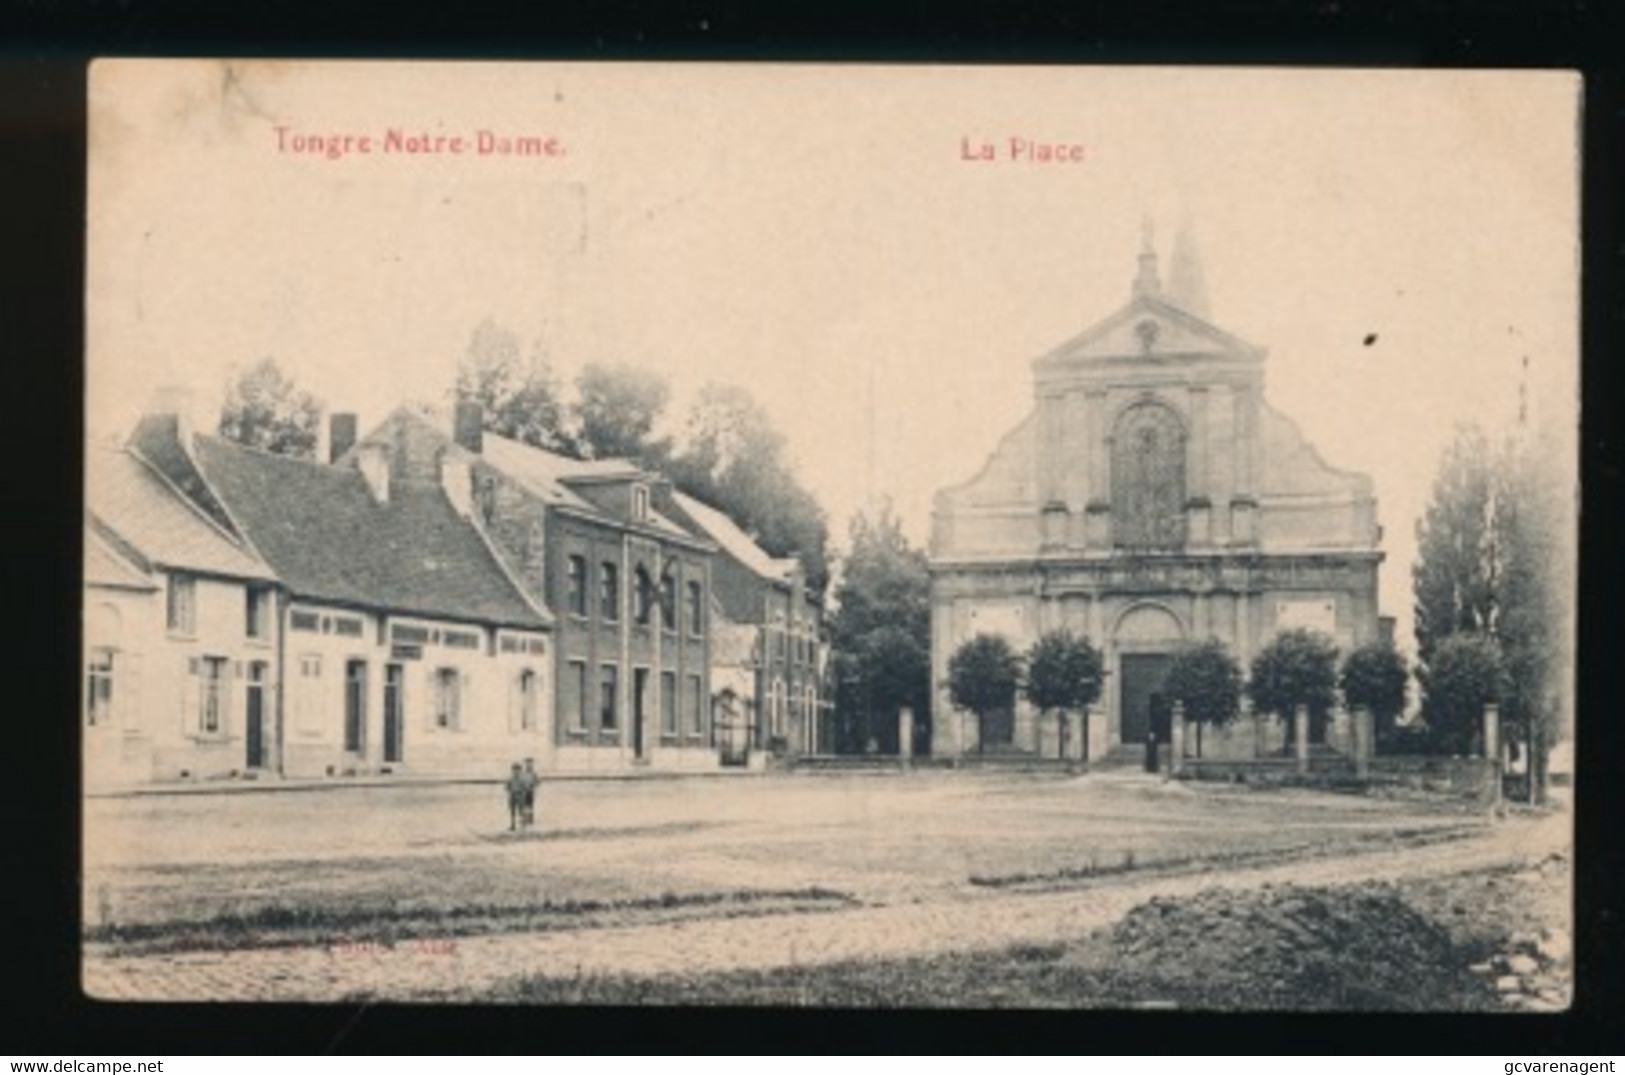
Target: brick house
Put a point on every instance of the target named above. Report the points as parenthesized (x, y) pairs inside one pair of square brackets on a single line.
[(630, 590), (765, 600)]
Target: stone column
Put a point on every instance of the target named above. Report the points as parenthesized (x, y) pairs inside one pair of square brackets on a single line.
[(1300, 736), (1176, 740), (905, 733), (1364, 730), (1492, 748)]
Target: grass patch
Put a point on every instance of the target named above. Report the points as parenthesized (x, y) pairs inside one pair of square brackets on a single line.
[(281, 925)]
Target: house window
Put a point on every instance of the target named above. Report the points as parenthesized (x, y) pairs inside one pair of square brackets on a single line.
[(211, 711), (448, 698), (668, 703), (530, 698), (643, 596), (182, 604), (575, 702), (308, 706), (258, 619), (577, 597), (668, 602), (609, 592), (640, 502), (607, 681), (99, 689), (693, 706), (696, 608)]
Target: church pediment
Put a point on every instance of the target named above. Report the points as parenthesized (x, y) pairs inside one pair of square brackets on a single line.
[(1150, 330)]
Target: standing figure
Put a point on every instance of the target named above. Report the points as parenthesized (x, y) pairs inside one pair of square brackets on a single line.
[(516, 797), (531, 779)]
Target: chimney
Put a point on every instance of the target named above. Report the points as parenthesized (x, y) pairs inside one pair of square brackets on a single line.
[(468, 428), (373, 460), (457, 482), (176, 402), (341, 435)]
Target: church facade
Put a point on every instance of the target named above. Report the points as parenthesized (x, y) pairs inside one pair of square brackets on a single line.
[(1152, 497)]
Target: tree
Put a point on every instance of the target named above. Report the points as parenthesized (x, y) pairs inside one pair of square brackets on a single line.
[(265, 409), (1063, 672), (1453, 579), (617, 408), (1374, 678), (983, 675), (1206, 680), (1298, 667), (735, 459), (880, 634), (519, 400), (1493, 563), (1531, 622), (1466, 674)]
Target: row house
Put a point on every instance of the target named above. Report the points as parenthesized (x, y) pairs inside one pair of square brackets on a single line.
[(364, 625), (180, 646), (629, 588), (771, 628)]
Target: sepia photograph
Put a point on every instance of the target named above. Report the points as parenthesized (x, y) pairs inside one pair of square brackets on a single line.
[(830, 535)]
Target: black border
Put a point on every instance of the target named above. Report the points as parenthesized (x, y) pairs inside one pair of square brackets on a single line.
[(43, 60)]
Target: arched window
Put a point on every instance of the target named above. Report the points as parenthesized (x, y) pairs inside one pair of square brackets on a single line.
[(643, 596), (1148, 478)]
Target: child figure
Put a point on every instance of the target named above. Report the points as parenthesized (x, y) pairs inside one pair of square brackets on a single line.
[(531, 780), (517, 793)]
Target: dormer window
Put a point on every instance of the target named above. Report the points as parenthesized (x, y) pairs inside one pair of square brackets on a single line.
[(640, 503)]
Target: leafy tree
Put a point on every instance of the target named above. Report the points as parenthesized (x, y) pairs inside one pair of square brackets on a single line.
[(617, 408), (880, 634), (265, 409), (1206, 679), (1453, 579), (1374, 678), (1531, 624), (1466, 674), (983, 675), (1063, 672), (1493, 562), (519, 400), (735, 459), (1298, 667)]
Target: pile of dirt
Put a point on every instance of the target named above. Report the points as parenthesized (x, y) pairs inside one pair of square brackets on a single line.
[(1358, 947)]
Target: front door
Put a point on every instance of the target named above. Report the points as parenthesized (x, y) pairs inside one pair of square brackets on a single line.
[(394, 719), (254, 717), (355, 705), (1142, 676), (640, 709)]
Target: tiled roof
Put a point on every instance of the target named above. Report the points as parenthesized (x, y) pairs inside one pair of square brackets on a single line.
[(128, 497), (105, 567), (329, 540), (547, 474), (734, 541)]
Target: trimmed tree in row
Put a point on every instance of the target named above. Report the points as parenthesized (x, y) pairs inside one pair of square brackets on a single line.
[(1298, 667), (1207, 682), (984, 674), (1063, 674)]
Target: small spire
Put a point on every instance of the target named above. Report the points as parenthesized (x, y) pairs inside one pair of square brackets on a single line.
[(1146, 282), (1187, 288)]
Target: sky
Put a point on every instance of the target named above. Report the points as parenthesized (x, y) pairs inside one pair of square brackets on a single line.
[(1399, 242)]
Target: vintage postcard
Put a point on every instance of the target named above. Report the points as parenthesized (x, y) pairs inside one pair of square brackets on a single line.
[(830, 535)]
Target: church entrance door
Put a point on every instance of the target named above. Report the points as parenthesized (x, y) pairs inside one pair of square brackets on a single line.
[(1141, 703)]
